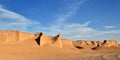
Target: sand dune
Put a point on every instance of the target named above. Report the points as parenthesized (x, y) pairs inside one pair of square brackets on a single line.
[(16, 45)]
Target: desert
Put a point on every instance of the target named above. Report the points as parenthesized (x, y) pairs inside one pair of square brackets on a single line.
[(17, 45), (59, 29)]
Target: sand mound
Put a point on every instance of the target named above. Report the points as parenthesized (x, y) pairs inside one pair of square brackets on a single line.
[(14, 36)]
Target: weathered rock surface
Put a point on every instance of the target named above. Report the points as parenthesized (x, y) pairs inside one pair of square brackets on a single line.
[(14, 36), (109, 43), (87, 44), (54, 41), (95, 44), (41, 39)]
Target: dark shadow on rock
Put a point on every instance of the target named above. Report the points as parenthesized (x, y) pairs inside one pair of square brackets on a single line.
[(104, 41), (38, 39), (55, 38), (95, 47), (79, 47)]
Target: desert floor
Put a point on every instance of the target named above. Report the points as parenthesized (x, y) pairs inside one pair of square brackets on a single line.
[(31, 51)]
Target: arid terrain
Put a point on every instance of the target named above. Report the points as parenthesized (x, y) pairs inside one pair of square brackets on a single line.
[(17, 45)]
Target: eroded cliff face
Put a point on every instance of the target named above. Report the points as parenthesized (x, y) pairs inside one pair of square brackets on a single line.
[(41, 39), (14, 36), (54, 41)]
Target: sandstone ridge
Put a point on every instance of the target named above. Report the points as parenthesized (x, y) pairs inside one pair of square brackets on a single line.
[(54, 41), (41, 39), (10, 36)]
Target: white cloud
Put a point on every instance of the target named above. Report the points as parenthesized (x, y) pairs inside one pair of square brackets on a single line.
[(70, 11), (14, 21), (83, 31), (109, 27), (74, 31)]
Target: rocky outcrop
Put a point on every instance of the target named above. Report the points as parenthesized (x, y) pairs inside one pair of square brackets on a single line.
[(109, 43), (40, 38), (86, 44), (14, 36), (53, 41), (43, 39), (95, 44)]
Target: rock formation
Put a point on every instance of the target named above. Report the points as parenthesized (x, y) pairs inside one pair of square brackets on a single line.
[(54, 41), (40, 38), (43, 39), (14, 36), (95, 44), (67, 43), (109, 43), (86, 44)]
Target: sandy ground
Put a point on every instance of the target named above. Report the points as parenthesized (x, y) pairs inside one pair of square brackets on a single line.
[(110, 56), (29, 50), (11, 52)]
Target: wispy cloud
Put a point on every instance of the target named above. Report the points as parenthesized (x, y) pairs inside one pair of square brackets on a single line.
[(109, 27), (70, 11), (83, 31), (74, 31), (14, 21)]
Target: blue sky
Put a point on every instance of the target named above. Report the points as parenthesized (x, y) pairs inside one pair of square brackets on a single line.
[(74, 19)]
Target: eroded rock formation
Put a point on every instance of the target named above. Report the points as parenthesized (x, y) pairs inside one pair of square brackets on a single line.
[(95, 44), (54, 41), (41, 39), (86, 44), (14, 36), (109, 43)]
